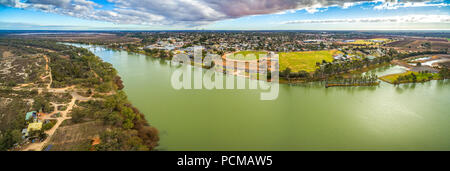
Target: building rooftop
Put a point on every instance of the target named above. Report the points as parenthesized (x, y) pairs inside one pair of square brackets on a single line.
[(34, 126), (29, 115)]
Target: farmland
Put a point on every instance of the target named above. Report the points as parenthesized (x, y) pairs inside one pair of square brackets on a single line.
[(306, 61), (420, 44)]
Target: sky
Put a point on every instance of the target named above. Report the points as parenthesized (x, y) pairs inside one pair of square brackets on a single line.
[(224, 15)]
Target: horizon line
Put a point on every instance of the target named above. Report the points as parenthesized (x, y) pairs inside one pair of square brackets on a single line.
[(224, 30)]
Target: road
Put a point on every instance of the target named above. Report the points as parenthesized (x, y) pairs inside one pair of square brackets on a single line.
[(64, 114)]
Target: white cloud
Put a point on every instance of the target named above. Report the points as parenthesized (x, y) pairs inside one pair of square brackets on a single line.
[(188, 12), (393, 19), (394, 4)]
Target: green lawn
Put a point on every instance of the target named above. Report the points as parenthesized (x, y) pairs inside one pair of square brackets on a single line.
[(242, 55), (306, 61)]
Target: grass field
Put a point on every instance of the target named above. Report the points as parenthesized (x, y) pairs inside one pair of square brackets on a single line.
[(423, 77), (306, 61), (368, 42), (242, 55)]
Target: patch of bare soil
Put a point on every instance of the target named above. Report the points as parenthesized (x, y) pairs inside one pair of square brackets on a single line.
[(423, 44), (76, 137), (6, 54)]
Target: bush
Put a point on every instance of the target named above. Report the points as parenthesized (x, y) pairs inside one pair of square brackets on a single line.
[(104, 88), (49, 125)]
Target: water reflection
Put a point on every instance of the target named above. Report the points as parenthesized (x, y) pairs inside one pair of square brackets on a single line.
[(163, 61)]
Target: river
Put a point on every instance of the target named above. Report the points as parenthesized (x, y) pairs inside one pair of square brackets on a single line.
[(309, 117)]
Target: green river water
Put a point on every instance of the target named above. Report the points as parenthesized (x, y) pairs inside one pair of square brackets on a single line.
[(309, 117)]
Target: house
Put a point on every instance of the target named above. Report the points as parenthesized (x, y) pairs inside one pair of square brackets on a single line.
[(179, 44), (376, 40), (24, 133), (169, 47), (36, 126), (30, 115), (150, 47), (370, 57), (312, 41), (338, 56)]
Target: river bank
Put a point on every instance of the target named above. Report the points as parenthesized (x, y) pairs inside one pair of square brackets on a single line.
[(306, 117)]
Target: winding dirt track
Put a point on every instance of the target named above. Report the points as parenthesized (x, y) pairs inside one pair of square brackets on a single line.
[(64, 114)]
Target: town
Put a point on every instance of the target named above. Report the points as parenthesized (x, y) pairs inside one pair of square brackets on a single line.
[(331, 56)]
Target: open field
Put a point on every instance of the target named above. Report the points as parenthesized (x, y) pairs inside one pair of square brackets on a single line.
[(306, 61), (76, 137), (420, 44), (18, 66), (242, 55), (400, 43), (369, 41)]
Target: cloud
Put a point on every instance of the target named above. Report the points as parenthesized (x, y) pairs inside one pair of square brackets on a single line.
[(187, 12), (390, 5), (12, 3), (394, 19)]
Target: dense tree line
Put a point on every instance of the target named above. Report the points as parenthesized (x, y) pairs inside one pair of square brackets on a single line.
[(354, 80), (159, 53), (444, 73)]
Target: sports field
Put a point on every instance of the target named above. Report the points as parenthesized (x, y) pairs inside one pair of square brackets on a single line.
[(306, 61)]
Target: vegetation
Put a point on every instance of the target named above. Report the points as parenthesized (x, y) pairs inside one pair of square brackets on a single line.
[(49, 125), (410, 77), (115, 110), (444, 73), (12, 123), (158, 53), (82, 68), (70, 66), (369, 41), (121, 140), (365, 80)]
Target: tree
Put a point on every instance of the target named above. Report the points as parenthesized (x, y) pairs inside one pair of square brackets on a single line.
[(128, 124), (78, 115), (287, 72), (414, 77)]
